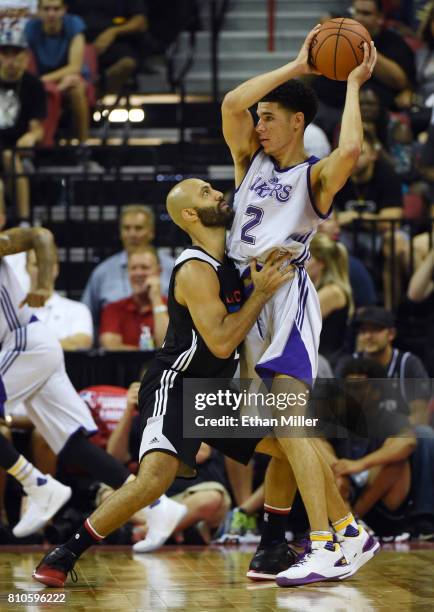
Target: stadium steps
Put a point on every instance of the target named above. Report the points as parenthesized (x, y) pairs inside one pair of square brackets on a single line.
[(245, 36)]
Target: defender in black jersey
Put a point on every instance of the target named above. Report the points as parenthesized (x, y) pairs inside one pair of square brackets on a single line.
[(186, 354), (202, 339)]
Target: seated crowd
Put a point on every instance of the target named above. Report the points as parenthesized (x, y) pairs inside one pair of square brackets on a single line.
[(372, 264)]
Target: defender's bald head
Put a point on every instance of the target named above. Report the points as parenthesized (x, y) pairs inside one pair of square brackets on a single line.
[(180, 197)]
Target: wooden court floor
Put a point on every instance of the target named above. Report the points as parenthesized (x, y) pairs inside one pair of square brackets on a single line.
[(401, 577)]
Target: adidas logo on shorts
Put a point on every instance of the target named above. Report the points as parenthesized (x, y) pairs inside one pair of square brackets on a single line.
[(153, 441)]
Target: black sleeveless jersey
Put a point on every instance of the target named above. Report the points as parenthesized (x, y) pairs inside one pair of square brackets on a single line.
[(184, 349)]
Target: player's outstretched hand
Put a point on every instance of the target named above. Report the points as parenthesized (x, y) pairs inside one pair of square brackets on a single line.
[(37, 298), (304, 54), (364, 71), (276, 272)]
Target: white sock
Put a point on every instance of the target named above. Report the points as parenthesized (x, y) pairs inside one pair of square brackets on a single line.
[(26, 473)]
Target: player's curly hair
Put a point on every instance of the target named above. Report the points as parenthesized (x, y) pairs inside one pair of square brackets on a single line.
[(295, 96)]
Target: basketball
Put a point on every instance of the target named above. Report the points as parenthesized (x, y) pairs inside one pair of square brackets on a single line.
[(338, 47)]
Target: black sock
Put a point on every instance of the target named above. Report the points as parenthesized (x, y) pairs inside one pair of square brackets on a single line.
[(274, 526), (93, 460), (8, 454), (82, 539)]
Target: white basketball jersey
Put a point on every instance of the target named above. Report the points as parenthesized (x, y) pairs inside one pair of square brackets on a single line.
[(273, 208), (11, 295)]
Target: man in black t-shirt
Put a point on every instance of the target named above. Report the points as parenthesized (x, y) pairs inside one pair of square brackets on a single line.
[(374, 190), (374, 193), (394, 71), (22, 110), (115, 28)]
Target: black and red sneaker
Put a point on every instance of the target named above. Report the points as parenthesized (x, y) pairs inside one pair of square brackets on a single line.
[(270, 560), (54, 568)]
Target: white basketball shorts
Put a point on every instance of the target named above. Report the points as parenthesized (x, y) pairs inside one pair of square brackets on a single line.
[(285, 338), (32, 371)]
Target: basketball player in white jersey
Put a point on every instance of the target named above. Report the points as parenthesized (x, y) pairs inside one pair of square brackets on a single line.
[(281, 197), (32, 372)]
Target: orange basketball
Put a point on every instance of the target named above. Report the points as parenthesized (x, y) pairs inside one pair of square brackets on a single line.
[(338, 47)]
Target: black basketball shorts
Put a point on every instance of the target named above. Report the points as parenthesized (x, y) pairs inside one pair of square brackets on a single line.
[(161, 423)]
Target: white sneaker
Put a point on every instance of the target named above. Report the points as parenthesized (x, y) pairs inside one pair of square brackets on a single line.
[(318, 563), (358, 550), (45, 500), (162, 517)]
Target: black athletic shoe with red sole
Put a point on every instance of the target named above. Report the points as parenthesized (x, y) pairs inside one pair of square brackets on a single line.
[(54, 568), (269, 561)]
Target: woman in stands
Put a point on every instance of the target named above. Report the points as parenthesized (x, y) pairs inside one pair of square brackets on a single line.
[(328, 269)]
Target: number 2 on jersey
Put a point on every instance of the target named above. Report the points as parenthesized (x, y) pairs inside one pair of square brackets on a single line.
[(256, 213)]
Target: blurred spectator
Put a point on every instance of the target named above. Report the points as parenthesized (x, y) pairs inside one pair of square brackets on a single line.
[(138, 322), (115, 28), (22, 110), (376, 333), (70, 320), (374, 193), (425, 57), (362, 285), (58, 44), (393, 73), (316, 142), (17, 9), (378, 411), (421, 286), (375, 116), (328, 269), (109, 281), (373, 462)]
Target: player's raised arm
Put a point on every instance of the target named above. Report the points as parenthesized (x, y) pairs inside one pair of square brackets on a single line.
[(198, 288), (20, 239), (331, 173), (238, 127)]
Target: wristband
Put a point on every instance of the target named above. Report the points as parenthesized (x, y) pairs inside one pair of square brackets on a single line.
[(159, 309), (8, 420)]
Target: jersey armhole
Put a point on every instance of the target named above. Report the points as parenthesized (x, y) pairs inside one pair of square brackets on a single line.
[(312, 197), (175, 270), (252, 159)]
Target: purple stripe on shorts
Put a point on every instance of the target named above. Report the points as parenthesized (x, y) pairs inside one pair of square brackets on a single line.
[(294, 360)]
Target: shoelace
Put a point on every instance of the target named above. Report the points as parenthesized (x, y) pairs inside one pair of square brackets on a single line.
[(303, 559), (73, 574)]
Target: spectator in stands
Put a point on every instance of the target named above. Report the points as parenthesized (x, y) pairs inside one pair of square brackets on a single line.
[(70, 320), (328, 270), (421, 286), (138, 322), (393, 73), (373, 462), (362, 285), (22, 110), (109, 281), (374, 193), (425, 56), (115, 28), (316, 142), (58, 44), (376, 333), (375, 116)]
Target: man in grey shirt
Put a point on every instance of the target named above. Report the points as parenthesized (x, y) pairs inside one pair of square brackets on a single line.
[(109, 280)]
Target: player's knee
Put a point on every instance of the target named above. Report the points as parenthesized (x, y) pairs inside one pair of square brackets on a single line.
[(157, 470)]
